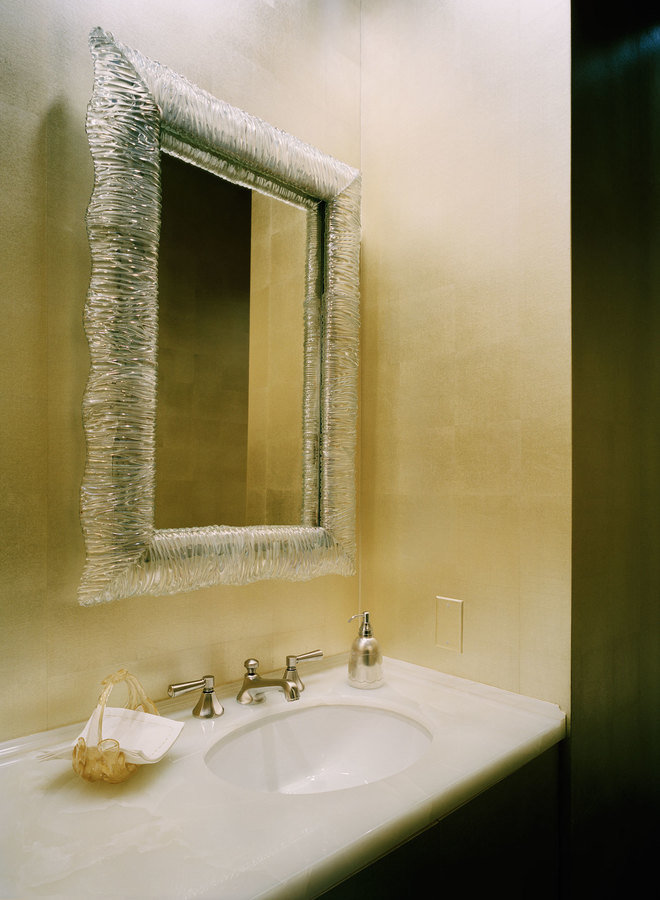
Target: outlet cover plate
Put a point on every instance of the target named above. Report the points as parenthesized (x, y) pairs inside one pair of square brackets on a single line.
[(449, 624)]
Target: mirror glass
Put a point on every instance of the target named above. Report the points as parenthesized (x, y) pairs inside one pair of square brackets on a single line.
[(231, 285)]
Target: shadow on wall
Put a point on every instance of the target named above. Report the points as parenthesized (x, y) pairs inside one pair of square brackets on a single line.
[(67, 179)]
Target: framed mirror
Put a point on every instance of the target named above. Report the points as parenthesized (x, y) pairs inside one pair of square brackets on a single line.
[(140, 110)]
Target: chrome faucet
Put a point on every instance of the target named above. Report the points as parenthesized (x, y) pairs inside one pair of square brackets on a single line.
[(290, 683), (208, 706), (253, 682)]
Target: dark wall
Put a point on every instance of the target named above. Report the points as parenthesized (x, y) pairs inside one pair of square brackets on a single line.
[(615, 747)]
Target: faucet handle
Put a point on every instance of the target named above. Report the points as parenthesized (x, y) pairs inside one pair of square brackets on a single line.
[(311, 654), (208, 706), (291, 672)]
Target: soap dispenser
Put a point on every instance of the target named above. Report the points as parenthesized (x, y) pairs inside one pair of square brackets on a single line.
[(365, 663)]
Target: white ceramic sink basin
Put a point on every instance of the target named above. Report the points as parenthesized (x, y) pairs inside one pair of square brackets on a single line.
[(318, 748)]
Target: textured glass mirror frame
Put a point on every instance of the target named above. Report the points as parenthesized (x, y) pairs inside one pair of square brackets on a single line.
[(139, 107)]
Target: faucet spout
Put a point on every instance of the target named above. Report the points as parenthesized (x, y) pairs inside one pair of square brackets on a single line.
[(254, 684)]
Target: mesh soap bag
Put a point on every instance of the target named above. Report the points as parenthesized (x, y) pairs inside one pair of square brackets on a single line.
[(106, 760)]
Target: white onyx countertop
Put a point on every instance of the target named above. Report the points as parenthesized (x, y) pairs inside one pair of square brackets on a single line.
[(175, 830)]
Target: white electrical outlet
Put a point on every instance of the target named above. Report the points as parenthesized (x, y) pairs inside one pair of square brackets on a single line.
[(449, 624)]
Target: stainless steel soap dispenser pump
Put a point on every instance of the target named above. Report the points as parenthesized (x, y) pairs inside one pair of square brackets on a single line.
[(365, 662)]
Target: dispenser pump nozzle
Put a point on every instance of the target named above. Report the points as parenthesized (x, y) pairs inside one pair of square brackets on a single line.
[(365, 627)]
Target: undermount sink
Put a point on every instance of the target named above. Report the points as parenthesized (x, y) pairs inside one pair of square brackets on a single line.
[(318, 749)]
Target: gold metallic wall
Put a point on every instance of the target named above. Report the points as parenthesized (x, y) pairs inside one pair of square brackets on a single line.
[(466, 462), (458, 115), (296, 65)]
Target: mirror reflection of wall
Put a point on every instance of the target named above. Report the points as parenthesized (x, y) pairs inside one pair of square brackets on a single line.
[(230, 358), (277, 295)]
